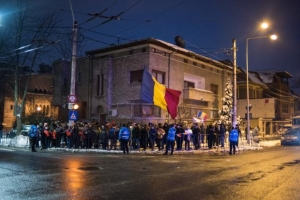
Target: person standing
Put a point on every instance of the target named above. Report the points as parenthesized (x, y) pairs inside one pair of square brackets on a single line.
[(159, 137), (152, 135), (196, 132), (222, 134), (233, 138), (144, 136), (171, 139), (124, 135), (187, 138), (210, 134), (33, 135), (136, 137)]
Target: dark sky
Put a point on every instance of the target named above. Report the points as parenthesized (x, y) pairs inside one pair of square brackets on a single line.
[(207, 26)]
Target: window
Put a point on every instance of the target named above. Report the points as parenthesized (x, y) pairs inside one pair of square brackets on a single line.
[(11, 107), (159, 76), (242, 93), (100, 82), (136, 76), (144, 49), (146, 111), (188, 84), (185, 60), (214, 88), (214, 114), (130, 52), (194, 63)]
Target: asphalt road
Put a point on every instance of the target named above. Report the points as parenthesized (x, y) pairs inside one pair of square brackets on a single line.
[(271, 173)]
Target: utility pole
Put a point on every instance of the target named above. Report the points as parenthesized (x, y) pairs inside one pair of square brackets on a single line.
[(73, 69), (234, 49), (72, 98)]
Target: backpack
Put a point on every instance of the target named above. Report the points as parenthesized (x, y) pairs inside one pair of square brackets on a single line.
[(33, 132)]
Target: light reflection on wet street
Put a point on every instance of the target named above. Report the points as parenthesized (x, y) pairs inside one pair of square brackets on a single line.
[(264, 174)]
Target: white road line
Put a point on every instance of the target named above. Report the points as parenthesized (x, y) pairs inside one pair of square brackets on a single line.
[(7, 149)]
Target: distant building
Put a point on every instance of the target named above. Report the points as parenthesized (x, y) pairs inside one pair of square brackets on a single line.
[(270, 97), (39, 94)]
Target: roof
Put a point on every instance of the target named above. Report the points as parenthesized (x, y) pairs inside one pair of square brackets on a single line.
[(254, 77), (163, 44), (267, 75)]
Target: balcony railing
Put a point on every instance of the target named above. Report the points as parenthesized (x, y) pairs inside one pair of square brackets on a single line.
[(198, 94)]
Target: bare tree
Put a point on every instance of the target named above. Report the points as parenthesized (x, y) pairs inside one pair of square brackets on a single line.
[(26, 41)]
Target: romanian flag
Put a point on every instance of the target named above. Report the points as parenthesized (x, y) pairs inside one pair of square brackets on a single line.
[(202, 115), (156, 93)]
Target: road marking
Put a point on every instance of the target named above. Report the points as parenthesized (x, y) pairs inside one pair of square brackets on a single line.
[(6, 149)]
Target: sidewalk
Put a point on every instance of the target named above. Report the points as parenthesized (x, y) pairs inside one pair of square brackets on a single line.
[(23, 142)]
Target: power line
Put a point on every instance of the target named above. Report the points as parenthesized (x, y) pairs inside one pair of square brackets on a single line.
[(117, 16), (146, 21)]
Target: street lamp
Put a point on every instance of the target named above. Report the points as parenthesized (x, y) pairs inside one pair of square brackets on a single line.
[(272, 37), (38, 108)]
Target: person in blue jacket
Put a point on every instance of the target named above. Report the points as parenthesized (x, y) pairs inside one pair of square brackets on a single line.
[(233, 140), (171, 139), (33, 136), (124, 135)]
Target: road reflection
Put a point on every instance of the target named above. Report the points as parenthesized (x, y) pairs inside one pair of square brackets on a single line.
[(74, 178)]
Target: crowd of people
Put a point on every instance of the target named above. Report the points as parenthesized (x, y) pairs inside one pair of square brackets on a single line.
[(133, 136)]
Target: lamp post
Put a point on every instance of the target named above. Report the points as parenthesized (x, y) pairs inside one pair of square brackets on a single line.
[(272, 37)]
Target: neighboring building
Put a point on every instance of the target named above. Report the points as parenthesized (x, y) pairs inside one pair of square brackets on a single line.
[(109, 80), (270, 97), (39, 94)]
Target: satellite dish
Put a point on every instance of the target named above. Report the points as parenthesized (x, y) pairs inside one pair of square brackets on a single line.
[(179, 41)]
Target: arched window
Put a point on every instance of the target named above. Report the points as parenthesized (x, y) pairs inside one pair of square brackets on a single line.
[(48, 110), (36, 90), (45, 91), (40, 91), (44, 109)]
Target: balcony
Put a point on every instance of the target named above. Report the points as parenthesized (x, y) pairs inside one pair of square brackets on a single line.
[(198, 94)]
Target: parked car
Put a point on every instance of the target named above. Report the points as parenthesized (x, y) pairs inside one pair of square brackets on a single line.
[(25, 129), (284, 129), (291, 136)]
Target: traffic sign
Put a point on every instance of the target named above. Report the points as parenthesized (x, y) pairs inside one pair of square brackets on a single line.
[(73, 115), (72, 99)]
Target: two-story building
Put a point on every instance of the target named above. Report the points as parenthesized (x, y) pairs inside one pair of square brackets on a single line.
[(109, 81), (272, 104)]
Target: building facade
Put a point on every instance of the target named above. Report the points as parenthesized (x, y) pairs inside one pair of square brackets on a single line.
[(272, 103), (108, 82)]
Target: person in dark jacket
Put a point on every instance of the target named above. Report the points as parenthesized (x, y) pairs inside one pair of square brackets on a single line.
[(152, 136), (179, 137), (144, 136), (136, 137), (124, 135), (171, 139), (210, 135), (196, 132), (222, 134), (233, 138)]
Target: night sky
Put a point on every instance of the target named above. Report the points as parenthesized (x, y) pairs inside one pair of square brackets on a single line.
[(207, 26)]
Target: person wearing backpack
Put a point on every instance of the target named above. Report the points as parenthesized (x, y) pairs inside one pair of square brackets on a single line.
[(33, 135)]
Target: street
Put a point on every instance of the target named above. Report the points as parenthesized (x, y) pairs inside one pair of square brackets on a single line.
[(271, 173)]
